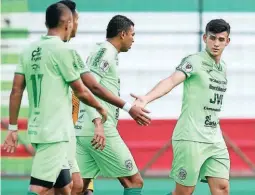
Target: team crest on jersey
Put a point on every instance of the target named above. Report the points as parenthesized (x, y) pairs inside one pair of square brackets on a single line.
[(104, 66), (129, 165), (187, 67), (182, 174)]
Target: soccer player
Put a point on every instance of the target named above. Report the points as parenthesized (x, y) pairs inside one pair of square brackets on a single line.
[(115, 160), (48, 68), (200, 152), (89, 80)]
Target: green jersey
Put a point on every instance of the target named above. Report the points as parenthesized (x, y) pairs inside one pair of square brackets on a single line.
[(203, 94), (49, 66), (103, 64)]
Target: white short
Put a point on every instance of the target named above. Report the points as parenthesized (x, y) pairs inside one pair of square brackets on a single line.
[(74, 168)]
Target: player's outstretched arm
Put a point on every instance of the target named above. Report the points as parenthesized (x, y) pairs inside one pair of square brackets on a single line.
[(136, 112), (85, 96), (18, 87), (161, 89)]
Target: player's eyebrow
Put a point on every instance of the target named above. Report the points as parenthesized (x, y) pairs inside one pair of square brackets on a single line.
[(212, 35)]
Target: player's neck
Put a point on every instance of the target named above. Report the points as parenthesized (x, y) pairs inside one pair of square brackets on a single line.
[(215, 58), (115, 43), (55, 32)]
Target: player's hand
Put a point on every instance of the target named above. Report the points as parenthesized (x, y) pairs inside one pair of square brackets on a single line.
[(103, 113), (11, 141), (98, 140), (139, 115), (140, 101)]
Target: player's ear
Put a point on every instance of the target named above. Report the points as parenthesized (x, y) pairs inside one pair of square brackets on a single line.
[(204, 37), (228, 41), (122, 35)]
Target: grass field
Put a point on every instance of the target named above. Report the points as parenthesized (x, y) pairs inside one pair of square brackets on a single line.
[(155, 186)]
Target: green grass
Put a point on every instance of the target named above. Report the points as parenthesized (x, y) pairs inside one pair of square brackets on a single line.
[(6, 85), (5, 112), (155, 186), (20, 165), (8, 58), (10, 33)]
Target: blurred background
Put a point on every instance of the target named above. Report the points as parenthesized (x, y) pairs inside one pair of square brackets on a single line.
[(166, 31)]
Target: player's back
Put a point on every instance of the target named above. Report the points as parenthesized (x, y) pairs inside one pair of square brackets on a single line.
[(49, 100), (203, 93)]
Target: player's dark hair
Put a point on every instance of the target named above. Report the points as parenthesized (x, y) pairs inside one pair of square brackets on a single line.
[(118, 24), (70, 4), (217, 26), (53, 14)]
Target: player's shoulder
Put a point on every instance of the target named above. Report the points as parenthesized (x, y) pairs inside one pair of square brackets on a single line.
[(192, 58), (104, 50)]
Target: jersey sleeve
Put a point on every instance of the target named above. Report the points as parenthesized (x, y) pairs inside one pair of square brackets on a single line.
[(100, 65), (83, 67), (187, 66), (19, 67), (70, 66)]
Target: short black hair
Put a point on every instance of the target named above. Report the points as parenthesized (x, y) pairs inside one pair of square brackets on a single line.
[(118, 24), (70, 4), (53, 14), (217, 26)]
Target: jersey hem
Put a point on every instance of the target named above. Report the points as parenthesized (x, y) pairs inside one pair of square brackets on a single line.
[(19, 73), (96, 73), (84, 72), (73, 80)]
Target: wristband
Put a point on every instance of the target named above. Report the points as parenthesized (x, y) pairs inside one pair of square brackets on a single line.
[(127, 107), (13, 127)]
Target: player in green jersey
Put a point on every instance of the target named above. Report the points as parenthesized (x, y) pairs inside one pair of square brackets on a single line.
[(47, 69), (115, 160), (137, 113), (199, 150)]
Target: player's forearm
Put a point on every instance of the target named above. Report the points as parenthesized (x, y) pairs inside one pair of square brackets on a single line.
[(87, 98), (14, 106), (107, 96), (92, 82), (161, 89)]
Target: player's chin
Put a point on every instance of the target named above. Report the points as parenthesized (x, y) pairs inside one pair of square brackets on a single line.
[(215, 52), (125, 50)]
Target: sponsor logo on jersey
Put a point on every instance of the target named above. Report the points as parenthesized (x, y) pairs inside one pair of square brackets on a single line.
[(209, 122)]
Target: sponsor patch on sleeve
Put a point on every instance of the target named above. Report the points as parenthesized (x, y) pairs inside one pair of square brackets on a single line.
[(104, 66), (187, 67)]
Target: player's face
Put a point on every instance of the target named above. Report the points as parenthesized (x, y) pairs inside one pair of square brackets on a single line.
[(216, 43), (127, 39), (75, 24)]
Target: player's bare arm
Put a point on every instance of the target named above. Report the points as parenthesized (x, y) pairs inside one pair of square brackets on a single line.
[(11, 140), (85, 96), (136, 112), (161, 89)]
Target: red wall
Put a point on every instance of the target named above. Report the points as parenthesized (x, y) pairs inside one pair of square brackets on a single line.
[(144, 142)]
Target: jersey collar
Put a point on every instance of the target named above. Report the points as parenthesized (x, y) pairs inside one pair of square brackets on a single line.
[(111, 46), (45, 37), (217, 66)]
